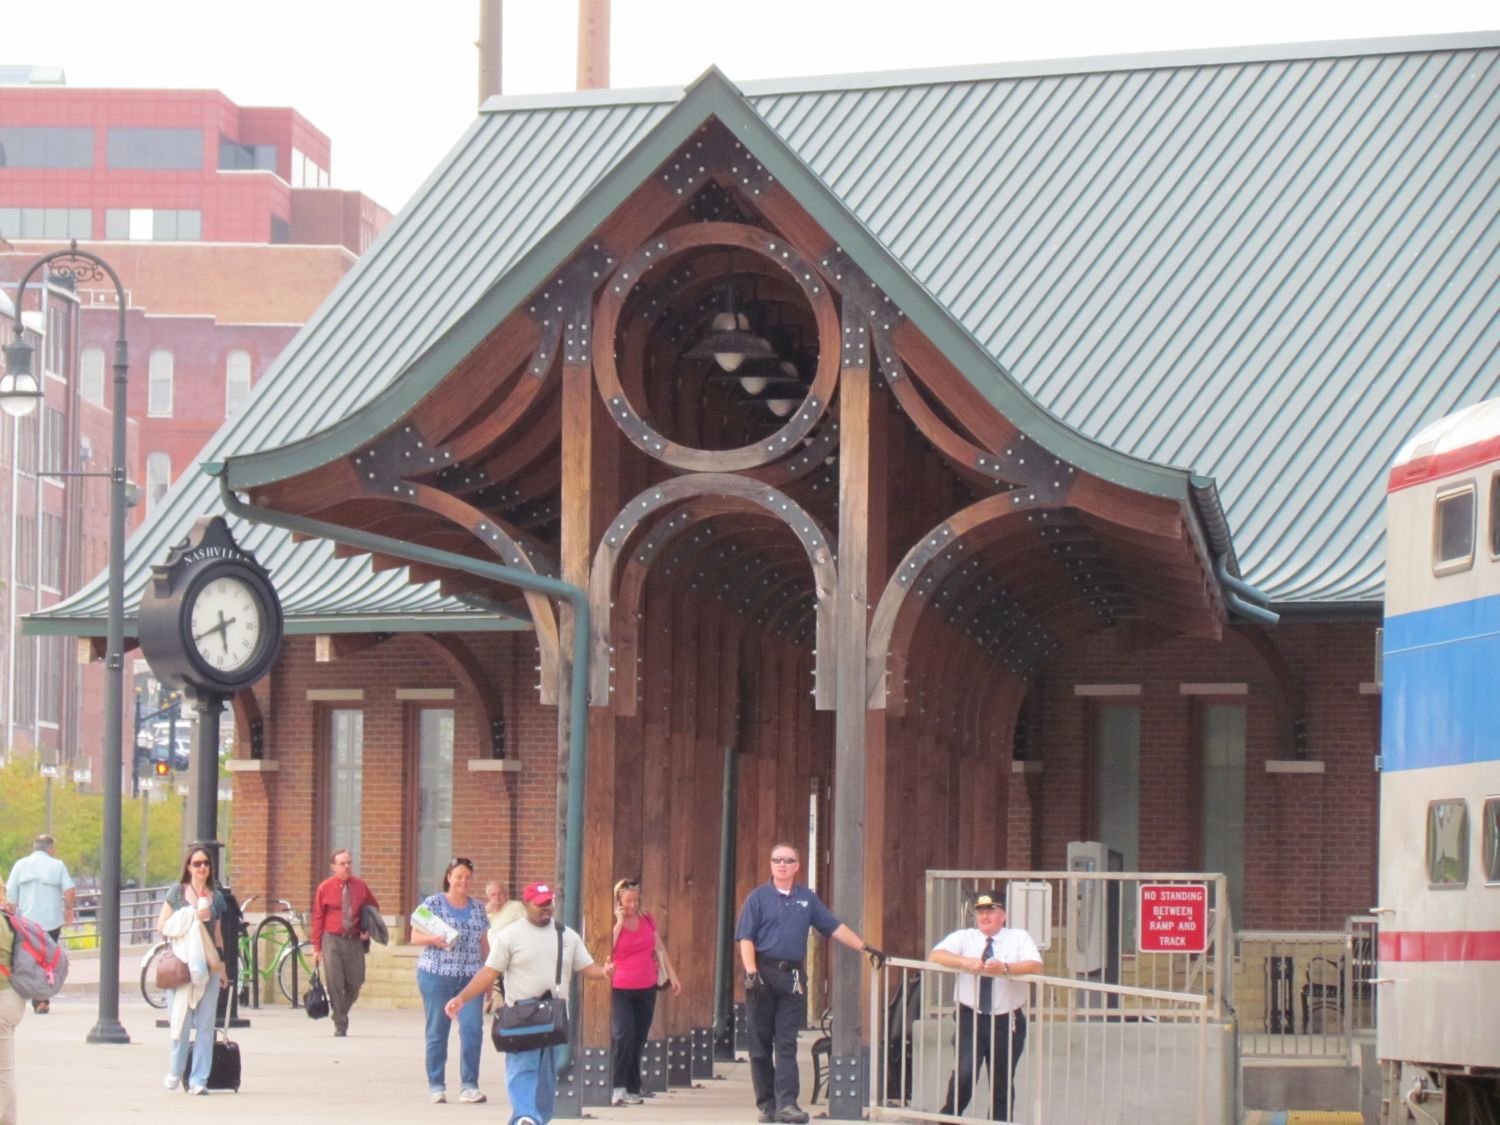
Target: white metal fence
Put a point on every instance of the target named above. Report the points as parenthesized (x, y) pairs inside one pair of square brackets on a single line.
[(1092, 1052)]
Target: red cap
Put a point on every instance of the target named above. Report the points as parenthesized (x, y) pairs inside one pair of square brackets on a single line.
[(537, 892)]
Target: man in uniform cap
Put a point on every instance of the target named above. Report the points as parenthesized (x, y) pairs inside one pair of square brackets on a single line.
[(991, 1016)]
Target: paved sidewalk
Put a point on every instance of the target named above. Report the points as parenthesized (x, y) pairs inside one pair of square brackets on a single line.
[(297, 1073)]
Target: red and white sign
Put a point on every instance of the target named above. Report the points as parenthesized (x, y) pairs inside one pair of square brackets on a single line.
[(1173, 918)]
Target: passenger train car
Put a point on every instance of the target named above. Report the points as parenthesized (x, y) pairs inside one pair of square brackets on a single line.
[(1439, 910)]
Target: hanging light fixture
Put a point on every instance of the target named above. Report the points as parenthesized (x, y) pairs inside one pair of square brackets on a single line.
[(781, 389), (19, 390), (729, 340)]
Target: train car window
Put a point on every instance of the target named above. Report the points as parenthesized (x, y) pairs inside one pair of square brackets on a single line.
[(1495, 516), (1453, 530), (1492, 840), (1448, 843)]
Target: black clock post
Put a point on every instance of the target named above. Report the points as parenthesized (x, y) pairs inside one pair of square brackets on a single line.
[(210, 625)]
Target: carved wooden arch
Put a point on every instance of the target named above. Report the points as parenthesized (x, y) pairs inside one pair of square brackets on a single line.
[(485, 690), (249, 722), (663, 248), (805, 528)]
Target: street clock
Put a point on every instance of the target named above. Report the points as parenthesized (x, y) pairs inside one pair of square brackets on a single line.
[(210, 621)]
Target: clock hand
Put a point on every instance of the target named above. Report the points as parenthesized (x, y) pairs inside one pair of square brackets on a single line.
[(221, 627)]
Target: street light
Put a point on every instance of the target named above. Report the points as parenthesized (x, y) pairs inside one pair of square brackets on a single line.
[(20, 391)]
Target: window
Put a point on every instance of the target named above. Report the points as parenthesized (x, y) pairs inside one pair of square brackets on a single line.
[(1448, 843), (1453, 530), (158, 478), (24, 683), (52, 551), (159, 396), (346, 732), (54, 442), (1492, 840), (236, 381), (26, 550), (51, 651), (435, 794), (234, 157), (1117, 802), (145, 224), (46, 146), (1224, 799), (156, 149), (59, 339), (46, 222), (91, 375), (26, 430)]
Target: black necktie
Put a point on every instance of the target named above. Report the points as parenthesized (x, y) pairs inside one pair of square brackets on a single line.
[(986, 983)]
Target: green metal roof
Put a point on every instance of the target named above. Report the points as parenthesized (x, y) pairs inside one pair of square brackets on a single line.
[(1267, 264)]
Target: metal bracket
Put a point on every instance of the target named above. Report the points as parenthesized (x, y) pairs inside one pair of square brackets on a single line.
[(712, 151), (257, 738), (702, 1052), (654, 1066), (384, 466), (679, 1061), (593, 1070), (846, 1087)]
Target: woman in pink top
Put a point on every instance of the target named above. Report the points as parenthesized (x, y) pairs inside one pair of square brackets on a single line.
[(638, 951)]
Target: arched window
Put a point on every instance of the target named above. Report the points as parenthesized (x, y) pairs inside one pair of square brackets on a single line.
[(159, 400), (158, 478), (91, 375), (236, 381)]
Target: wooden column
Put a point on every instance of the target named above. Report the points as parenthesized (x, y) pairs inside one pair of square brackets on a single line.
[(846, 1098)]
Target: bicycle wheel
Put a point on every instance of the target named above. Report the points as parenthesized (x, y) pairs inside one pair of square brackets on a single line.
[(304, 956), (156, 997)]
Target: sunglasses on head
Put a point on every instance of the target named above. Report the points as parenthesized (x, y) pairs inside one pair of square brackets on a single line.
[(460, 861)]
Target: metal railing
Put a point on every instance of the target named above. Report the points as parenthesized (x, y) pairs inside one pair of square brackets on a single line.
[(1080, 1050), (1088, 927), (1305, 995), (139, 907)]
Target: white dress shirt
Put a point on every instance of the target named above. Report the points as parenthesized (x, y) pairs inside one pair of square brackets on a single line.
[(1010, 946)]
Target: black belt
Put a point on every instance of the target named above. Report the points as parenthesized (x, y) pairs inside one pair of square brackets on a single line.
[(784, 966)]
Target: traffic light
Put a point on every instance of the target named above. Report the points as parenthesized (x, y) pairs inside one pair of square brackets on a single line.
[(163, 768)]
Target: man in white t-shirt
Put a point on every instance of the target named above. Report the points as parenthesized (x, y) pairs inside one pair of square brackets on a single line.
[(991, 1015), (527, 954)]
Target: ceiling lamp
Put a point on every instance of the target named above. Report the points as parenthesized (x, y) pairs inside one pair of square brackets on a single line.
[(729, 340), (780, 388)]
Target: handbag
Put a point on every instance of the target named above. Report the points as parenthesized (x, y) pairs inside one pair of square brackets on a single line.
[(171, 970), (529, 1025), (315, 1003), (663, 980)]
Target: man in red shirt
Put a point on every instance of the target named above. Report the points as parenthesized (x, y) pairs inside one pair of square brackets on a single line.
[(338, 936)]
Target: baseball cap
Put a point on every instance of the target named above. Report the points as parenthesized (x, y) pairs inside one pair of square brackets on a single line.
[(988, 900), (537, 892)]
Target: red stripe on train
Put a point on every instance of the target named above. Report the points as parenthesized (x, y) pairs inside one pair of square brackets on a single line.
[(1440, 945), (1443, 464)]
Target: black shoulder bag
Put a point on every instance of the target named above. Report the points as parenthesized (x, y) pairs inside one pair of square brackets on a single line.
[(529, 1025)]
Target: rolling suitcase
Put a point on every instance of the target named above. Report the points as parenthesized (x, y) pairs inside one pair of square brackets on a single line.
[(224, 1071)]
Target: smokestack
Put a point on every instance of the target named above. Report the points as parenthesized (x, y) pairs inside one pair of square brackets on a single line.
[(593, 44), (490, 27)]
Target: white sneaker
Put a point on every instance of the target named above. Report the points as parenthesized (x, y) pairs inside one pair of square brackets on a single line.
[(632, 1099), (199, 1090), (171, 1082), (437, 1097), (473, 1095), (617, 1096)]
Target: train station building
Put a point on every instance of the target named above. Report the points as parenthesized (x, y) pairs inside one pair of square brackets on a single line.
[(954, 464)]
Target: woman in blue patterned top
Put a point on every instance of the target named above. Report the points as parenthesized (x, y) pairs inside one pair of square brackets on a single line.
[(442, 971)]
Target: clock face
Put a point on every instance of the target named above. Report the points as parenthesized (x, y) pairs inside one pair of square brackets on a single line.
[(227, 620)]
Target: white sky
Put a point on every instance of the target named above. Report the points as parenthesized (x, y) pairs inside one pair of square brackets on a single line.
[(394, 85)]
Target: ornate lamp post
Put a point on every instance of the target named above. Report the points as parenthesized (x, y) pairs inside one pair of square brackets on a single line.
[(20, 391)]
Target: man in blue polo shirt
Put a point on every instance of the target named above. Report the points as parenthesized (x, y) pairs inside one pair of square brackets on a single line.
[(772, 934)]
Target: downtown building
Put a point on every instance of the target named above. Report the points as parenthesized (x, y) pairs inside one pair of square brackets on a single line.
[(226, 232)]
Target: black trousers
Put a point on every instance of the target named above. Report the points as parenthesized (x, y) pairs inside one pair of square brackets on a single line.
[(775, 1012), (994, 1041), (630, 1014)]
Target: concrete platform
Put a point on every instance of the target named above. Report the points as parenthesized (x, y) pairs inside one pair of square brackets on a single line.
[(297, 1073)]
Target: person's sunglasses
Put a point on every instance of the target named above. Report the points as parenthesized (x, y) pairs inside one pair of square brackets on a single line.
[(460, 861), (200, 863), (783, 859)]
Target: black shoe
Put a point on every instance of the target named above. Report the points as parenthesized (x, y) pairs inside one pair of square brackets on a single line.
[(340, 1032), (766, 1117), (792, 1115)]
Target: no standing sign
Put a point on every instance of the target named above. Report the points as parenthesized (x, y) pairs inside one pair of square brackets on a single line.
[(1173, 918)]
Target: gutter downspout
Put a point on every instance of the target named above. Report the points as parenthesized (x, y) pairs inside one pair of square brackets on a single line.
[(578, 700), (1237, 590)]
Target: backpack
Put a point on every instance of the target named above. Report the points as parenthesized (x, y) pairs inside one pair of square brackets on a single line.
[(38, 964)]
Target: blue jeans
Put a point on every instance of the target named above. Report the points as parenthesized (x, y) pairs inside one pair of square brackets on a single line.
[(436, 991), (531, 1083), (200, 1027)]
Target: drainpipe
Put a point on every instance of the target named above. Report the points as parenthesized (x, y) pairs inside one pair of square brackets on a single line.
[(578, 700), (1237, 590)]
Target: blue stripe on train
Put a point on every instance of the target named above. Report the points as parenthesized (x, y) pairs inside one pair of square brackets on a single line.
[(1441, 699)]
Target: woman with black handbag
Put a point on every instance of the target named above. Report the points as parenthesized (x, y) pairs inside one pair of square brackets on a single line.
[(190, 921), (642, 968)]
